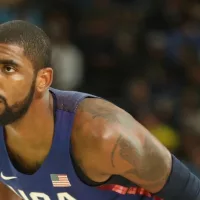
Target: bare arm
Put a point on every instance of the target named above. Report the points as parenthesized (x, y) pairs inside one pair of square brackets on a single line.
[(7, 194), (122, 146)]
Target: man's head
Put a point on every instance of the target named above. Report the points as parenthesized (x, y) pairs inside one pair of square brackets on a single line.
[(25, 73)]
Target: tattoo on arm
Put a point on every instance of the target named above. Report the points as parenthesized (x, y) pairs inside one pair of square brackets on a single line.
[(100, 108), (114, 149), (150, 168), (148, 162)]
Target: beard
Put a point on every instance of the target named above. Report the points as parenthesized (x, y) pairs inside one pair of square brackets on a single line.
[(16, 111)]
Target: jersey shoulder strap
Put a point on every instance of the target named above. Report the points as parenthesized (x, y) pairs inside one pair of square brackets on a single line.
[(69, 100)]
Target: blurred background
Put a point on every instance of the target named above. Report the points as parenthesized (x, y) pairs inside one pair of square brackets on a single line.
[(143, 55)]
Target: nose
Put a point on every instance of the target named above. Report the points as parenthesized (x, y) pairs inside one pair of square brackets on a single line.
[(3, 83)]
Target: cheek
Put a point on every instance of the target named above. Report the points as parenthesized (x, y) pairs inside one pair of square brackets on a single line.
[(19, 88), (18, 77)]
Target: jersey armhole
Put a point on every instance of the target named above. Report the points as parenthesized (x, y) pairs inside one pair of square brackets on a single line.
[(113, 180)]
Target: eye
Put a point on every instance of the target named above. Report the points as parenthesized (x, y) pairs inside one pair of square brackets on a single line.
[(8, 69)]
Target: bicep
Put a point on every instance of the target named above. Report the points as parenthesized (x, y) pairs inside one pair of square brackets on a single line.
[(124, 146), (6, 193)]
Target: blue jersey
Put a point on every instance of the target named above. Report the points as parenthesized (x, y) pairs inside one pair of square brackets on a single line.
[(56, 178)]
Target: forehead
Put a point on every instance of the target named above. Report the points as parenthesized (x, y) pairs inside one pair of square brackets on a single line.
[(13, 52)]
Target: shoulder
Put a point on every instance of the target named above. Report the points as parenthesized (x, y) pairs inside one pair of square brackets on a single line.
[(107, 140), (97, 126), (102, 110), (95, 116)]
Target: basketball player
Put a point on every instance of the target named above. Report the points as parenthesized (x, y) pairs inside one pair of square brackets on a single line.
[(59, 145)]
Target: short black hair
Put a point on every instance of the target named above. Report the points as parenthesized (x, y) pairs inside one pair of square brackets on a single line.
[(34, 41)]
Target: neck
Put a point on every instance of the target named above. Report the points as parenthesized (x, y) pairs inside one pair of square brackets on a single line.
[(37, 123)]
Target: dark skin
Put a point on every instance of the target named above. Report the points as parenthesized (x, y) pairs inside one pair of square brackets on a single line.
[(106, 140), (33, 133)]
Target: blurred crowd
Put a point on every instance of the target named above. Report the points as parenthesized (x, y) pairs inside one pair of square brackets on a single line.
[(143, 55)]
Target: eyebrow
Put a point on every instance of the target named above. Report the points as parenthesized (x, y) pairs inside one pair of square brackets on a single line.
[(8, 62)]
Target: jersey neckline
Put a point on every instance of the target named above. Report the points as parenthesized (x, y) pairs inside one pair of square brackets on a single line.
[(37, 173)]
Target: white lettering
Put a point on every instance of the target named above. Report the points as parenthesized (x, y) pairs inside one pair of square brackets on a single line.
[(38, 195), (65, 196), (23, 195), (41, 196)]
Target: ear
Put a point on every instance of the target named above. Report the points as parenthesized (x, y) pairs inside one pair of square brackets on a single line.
[(44, 79)]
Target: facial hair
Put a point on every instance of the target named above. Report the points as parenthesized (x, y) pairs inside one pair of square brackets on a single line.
[(16, 111)]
